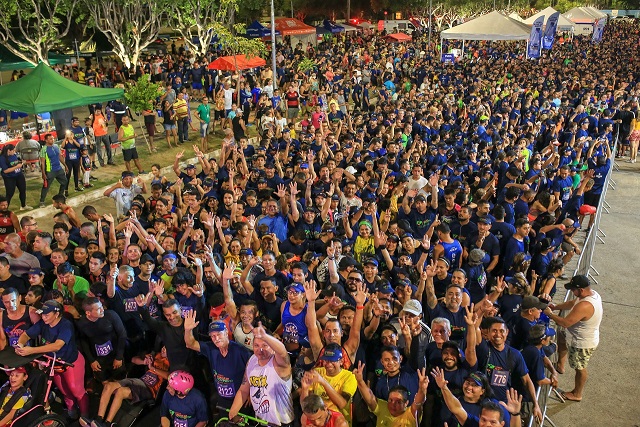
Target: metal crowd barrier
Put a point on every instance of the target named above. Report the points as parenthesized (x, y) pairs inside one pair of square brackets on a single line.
[(585, 267)]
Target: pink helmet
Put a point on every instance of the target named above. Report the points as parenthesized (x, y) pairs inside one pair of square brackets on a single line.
[(181, 381)]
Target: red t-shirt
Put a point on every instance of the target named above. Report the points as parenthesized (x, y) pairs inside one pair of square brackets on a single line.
[(292, 99)]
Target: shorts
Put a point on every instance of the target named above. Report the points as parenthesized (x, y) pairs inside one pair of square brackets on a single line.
[(292, 112), (591, 199), (568, 248), (168, 127), (204, 127), (635, 136), (579, 357), (226, 112), (151, 128), (130, 154), (196, 85), (92, 149), (139, 390)]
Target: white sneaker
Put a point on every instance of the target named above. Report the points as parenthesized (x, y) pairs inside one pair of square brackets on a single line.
[(26, 208)]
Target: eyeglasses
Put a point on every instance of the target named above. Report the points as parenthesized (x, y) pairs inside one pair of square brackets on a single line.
[(354, 279), (31, 225)]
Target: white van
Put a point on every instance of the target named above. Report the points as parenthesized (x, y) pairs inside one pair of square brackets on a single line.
[(397, 26)]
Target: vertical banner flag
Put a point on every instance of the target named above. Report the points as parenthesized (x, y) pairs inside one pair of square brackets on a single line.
[(598, 28), (550, 31), (535, 39)]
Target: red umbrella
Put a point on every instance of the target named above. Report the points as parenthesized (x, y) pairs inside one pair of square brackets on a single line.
[(241, 62)]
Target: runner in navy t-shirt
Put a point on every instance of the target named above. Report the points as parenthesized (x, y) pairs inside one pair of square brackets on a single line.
[(228, 360)]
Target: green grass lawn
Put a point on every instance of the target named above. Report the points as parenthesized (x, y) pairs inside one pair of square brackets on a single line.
[(107, 175)]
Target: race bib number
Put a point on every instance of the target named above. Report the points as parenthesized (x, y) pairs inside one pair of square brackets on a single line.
[(180, 423), (130, 305), (186, 310), (150, 379), (500, 378), (73, 155), (226, 390), (105, 349)]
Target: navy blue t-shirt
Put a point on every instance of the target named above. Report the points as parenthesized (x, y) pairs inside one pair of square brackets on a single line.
[(185, 412), (534, 359), (500, 367), (62, 331), (228, 371)]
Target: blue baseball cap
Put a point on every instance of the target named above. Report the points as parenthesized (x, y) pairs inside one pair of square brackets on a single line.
[(385, 288), (295, 286), (217, 326), (332, 353)]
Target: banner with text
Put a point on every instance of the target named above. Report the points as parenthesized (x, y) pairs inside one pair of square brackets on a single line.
[(550, 31), (535, 39), (598, 29)]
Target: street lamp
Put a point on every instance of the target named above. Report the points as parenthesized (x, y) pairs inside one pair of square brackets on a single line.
[(273, 47)]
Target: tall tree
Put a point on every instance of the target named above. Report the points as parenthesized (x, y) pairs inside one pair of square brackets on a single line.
[(31, 28), (195, 19), (129, 25)]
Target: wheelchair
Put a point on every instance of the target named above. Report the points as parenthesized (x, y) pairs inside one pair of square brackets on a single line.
[(36, 412)]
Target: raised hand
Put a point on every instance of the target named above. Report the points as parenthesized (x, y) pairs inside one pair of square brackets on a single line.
[(190, 320), (310, 291), (500, 284), (470, 316), (180, 154), (404, 326), (251, 221), (108, 217), (431, 269), (359, 372), (514, 402), (426, 244), (143, 299), (360, 295), (423, 379), (433, 180), (259, 332), (438, 375), (293, 188), (282, 191), (228, 271), (198, 290)]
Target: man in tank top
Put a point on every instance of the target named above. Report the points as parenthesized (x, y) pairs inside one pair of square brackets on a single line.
[(582, 331), (267, 381)]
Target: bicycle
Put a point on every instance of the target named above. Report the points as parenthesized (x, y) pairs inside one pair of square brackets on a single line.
[(246, 421), (36, 412)]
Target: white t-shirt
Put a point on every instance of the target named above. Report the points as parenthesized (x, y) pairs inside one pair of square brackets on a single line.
[(228, 98)]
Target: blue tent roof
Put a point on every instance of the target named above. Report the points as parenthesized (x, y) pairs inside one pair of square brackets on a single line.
[(332, 27), (257, 30)]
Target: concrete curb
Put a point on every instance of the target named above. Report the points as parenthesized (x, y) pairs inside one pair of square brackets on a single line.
[(87, 197)]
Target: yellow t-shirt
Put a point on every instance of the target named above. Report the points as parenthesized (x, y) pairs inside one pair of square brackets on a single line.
[(19, 404), (181, 108), (344, 383), (385, 419)]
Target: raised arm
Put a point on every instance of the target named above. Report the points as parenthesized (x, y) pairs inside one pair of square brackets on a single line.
[(281, 354), (365, 391), (189, 325), (310, 319)]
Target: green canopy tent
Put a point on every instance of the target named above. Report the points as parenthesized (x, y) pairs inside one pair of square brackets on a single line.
[(44, 90)]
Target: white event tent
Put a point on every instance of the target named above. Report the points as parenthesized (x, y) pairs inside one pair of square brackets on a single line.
[(564, 25), (492, 26)]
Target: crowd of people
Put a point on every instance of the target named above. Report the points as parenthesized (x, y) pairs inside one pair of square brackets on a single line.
[(387, 253)]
